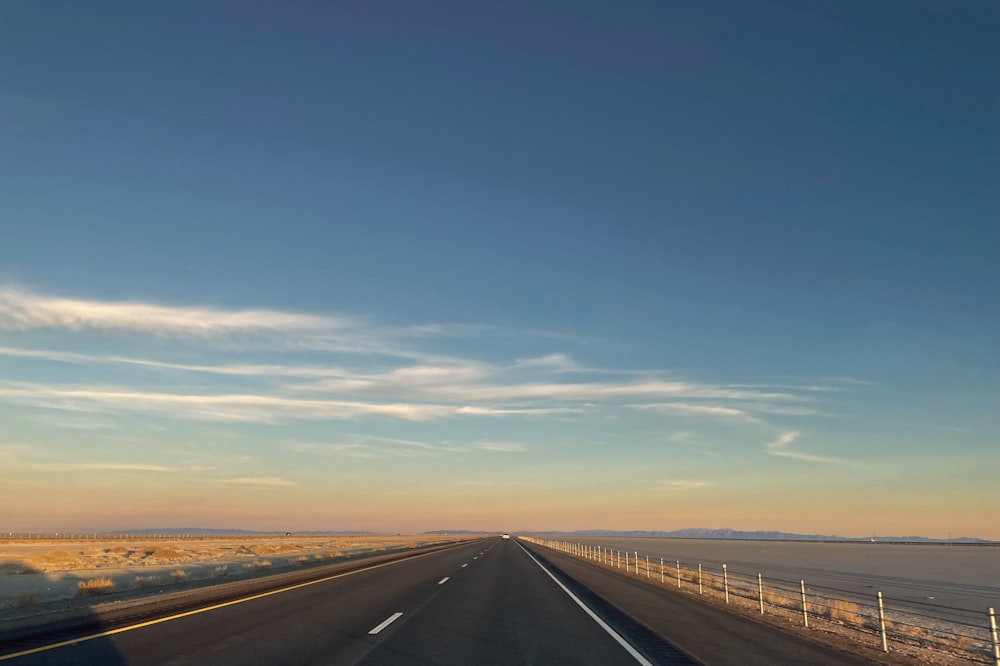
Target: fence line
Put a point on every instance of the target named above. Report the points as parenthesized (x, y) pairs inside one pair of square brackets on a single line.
[(960, 632)]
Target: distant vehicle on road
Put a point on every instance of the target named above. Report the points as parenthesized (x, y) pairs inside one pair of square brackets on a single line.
[(504, 536)]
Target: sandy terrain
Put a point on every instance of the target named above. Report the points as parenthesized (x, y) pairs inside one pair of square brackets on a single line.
[(37, 571)]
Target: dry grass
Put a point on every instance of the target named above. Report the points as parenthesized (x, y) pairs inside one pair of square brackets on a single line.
[(257, 565), (775, 600), (60, 558), (845, 611), (220, 571), (964, 643), (162, 553), (140, 582), (302, 560), (94, 586), (179, 575)]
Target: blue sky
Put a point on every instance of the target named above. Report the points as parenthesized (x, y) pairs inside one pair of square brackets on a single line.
[(409, 266)]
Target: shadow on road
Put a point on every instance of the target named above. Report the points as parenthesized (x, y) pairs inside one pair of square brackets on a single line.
[(66, 631)]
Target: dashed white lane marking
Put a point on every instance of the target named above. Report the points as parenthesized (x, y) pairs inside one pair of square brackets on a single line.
[(443, 580), (611, 632), (386, 622), (465, 565)]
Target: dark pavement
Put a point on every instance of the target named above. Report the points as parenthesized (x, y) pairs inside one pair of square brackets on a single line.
[(483, 602)]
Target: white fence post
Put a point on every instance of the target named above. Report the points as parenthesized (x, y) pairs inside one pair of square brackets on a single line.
[(805, 612), (678, 574), (626, 561), (636, 563), (647, 566), (700, 590), (760, 592), (725, 581), (661, 569), (993, 635), (881, 623)]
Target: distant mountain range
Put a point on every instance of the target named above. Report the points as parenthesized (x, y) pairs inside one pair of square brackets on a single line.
[(726, 533), (209, 531), (690, 533), (445, 532)]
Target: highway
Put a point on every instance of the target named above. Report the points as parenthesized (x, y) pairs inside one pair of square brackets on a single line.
[(483, 602)]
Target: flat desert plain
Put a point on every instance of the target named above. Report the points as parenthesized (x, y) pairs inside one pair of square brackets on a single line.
[(38, 571)]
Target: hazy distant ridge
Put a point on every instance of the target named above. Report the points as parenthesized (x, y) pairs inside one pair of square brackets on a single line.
[(211, 531), (689, 533), (726, 533)]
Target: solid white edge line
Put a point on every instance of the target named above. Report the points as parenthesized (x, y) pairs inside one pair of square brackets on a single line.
[(614, 634), (385, 623), (443, 580)]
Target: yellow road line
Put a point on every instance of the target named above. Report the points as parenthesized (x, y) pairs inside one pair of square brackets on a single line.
[(120, 630)]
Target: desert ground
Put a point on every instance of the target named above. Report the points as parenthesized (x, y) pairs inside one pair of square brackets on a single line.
[(40, 571)]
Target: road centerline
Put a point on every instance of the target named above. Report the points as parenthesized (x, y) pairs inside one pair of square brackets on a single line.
[(444, 580)]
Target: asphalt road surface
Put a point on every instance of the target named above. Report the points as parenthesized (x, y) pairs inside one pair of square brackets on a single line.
[(482, 602)]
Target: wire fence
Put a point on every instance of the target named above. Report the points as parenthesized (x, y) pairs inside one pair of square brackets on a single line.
[(125, 536), (956, 633)]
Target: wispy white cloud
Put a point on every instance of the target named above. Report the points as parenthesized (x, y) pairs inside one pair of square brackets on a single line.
[(698, 410), (408, 385), (43, 465), (789, 387), (680, 484), (249, 408), (369, 446), (243, 369), (849, 380), (126, 467), (342, 450), (504, 447), (549, 391), (797, 409), (553, 362), (23, 310), (780, 447), (259, 481)]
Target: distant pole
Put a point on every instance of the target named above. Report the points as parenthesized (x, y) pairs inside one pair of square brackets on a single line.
[(725, 581), (760, 593), (881, 623), (700, 589), (805, 611), (661, 569), (678, 574)]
